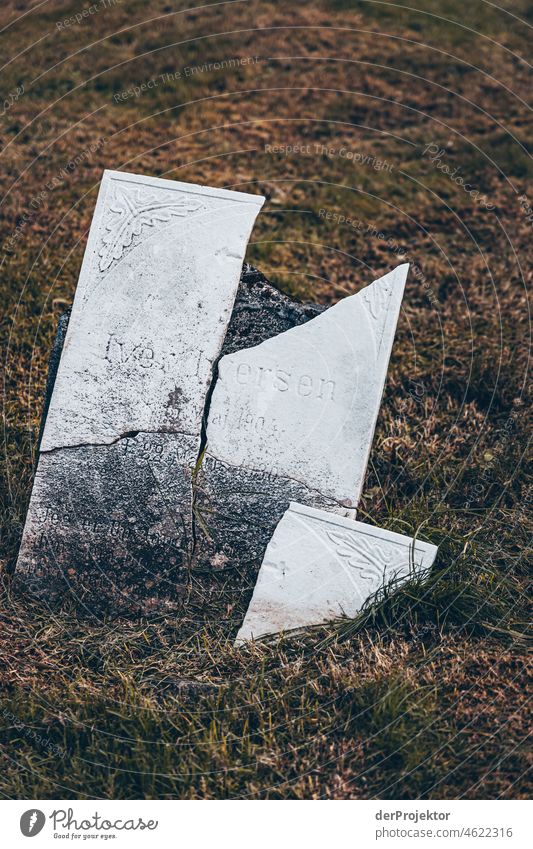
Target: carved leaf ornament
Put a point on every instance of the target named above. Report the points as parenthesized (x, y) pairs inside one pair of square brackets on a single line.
[(376, 298), (132, 211), (371, 561)]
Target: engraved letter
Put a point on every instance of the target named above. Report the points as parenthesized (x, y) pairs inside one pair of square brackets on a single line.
[(283, 377), (323, 385), (243, 371), (305, 386), (262, 372)]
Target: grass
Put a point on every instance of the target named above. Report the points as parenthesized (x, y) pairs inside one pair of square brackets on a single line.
[(425, 693), (117, 717)]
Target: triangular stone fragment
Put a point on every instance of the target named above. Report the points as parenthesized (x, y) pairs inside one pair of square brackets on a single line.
[(292, 419), (319, 567)]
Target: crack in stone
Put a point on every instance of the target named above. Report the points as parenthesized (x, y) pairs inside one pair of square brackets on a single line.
[(128, 434), (299, 481), (260, 312)]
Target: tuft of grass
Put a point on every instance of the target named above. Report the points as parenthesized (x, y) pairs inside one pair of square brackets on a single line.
[(485, 603)]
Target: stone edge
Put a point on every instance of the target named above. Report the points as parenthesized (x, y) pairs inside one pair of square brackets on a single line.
[(429, 550)]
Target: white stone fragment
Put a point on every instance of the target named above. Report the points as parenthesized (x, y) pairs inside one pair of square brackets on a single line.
[(319, 566), (303, 405), (154, 297)]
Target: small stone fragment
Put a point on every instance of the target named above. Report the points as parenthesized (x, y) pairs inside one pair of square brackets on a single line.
[(319, 567)]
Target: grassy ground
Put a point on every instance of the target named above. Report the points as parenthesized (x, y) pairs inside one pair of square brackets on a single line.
[(385, 110)]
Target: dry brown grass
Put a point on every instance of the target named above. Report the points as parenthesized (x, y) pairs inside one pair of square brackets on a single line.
[(426, 693)]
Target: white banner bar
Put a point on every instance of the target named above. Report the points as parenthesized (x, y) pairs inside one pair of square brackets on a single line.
[(268, 824)]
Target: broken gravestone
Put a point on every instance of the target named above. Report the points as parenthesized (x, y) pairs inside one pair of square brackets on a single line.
[(319, 567), (113, 513), (111, 508), (292, 419)]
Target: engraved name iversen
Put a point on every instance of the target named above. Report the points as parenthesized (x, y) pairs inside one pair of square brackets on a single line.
[(145, 356), (302, 385)]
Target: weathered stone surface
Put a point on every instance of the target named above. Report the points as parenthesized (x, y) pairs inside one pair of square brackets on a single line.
[(319, 567), (236, 510), (292, 419), (304, 404), (123, 429), (112, 523), (260, 311)]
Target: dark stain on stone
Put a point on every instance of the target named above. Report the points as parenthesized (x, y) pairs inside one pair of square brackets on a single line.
[(176, 398)]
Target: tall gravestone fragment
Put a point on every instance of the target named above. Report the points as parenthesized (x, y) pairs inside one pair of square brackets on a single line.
[(111, 508), (319, 567), (292, 419)]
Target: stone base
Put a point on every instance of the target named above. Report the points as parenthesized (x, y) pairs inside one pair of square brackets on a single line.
[(261, 311), (114, 525)]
